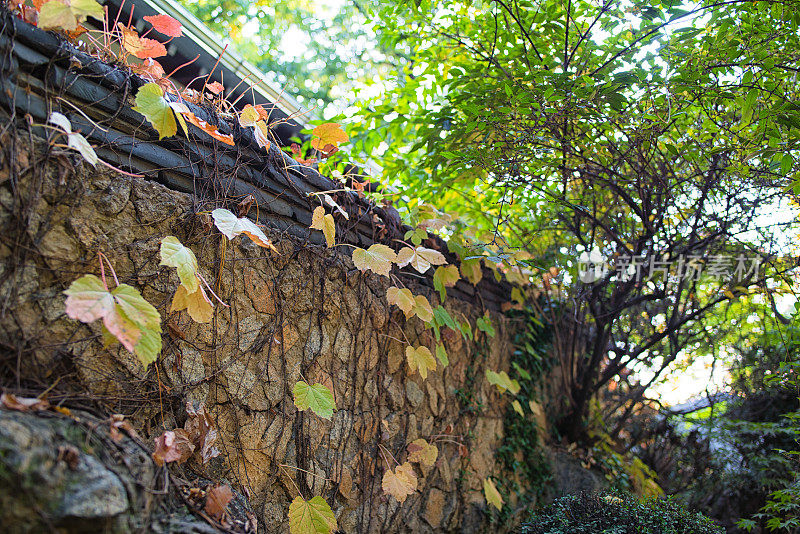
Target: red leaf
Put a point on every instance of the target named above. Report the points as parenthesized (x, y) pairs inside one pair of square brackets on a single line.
[(141, 47), (217, 500), (215, 87), (165, 24)]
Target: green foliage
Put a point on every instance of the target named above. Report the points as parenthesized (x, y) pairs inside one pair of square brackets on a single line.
[(617, 513), (521, 453)]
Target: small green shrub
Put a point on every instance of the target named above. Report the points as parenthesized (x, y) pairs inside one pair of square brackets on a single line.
[(617, 513)]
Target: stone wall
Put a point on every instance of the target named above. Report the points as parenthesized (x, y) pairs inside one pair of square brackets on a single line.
[(304, 311)]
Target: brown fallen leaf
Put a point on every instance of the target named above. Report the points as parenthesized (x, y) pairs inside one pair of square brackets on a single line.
[(201, 431), (173, 446), (217, 500), (401, 482), (23, 404)]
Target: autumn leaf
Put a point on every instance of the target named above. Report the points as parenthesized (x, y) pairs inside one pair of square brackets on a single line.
[(141, 47), (230, 225), (471, 270), (173, 446), (493, 496), (248, 116), (210, 129), (197, 304), (377, 258), (329, 133), (324, 222), (311, 517), (175, 254), (151, 103), (420, 359), (441, 355), (125, 314), (74, 139), (217, 500), (445, 276), (502, 381), (517, 407), (400, 482), (200, 428), (422, 452), (402, 298), (215, 87), (56, 15), (332, 203), (420, 258), (423, 308), (23, 404), (149, 68), (165, 24), (262, 134)]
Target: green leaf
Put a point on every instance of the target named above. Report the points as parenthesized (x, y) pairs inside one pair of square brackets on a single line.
[(175, 254), (523, 374), (484, 324), (441, 355), (502, 381), (311, 517), (151, 103), (135, 307), (317, 397), (126, 316)]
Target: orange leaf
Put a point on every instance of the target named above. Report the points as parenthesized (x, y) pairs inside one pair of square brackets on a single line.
[(140, 47), (210, 129), (329, 133), (165, 24), (217, 500), (149, 68)]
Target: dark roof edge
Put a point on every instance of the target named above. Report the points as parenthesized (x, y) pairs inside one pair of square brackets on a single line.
[(36, 65)]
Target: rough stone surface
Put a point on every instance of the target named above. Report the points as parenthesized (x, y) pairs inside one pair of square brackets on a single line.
[(303, 312)]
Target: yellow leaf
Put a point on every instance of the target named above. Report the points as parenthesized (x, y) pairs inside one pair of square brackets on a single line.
[(420, 258), (423, 308), (422, 452), (402, 298), (329, 133), (447, 274), (377, 258), (400, 483), (324, 222), (471, 270), (311, 517), (56, 15), (249, 116), (493, 496), (517, 407), (197, 304), (420, 359)]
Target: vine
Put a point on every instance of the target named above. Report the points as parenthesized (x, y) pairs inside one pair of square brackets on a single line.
[(131, 320)]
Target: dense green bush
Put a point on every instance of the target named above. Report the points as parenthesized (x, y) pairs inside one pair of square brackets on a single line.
[(617, 513)]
